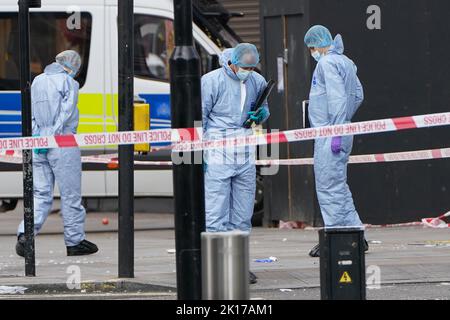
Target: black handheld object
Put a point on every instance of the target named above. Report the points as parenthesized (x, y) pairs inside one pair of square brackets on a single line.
[(258, 105)]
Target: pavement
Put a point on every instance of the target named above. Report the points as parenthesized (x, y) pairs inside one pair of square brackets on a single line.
[(414, 262)]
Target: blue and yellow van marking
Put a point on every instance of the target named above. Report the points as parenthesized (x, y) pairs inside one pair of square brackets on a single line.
[(92, 113)]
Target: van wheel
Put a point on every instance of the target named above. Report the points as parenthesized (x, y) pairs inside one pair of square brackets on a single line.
[(8, 205)]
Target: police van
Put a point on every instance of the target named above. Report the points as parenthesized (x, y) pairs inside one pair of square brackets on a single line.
[(90, 28)]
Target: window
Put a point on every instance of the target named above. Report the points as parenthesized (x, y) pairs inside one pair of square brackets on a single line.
[(49, 35), (153, 46)]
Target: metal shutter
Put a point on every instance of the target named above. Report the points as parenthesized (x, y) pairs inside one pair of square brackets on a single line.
[(248, 26)]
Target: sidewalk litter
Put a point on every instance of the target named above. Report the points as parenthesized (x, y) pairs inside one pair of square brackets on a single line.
[(12, 290)]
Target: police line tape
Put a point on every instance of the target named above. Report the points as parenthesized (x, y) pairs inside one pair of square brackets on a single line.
[(371, 158), (190, 139), (442, 153), (349, 129), (435, 223)]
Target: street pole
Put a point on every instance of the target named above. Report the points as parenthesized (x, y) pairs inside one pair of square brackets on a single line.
[(25, 89), (126, 152), (185, 92)]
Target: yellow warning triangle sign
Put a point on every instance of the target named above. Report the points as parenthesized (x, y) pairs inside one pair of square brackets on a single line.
[(345, 278)]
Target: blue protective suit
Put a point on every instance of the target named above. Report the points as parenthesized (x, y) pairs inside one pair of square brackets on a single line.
[(230, 174), (54, 96), (336, 94)]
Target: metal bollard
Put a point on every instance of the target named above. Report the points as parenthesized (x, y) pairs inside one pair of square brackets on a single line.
[(225, 266), (342, 264)]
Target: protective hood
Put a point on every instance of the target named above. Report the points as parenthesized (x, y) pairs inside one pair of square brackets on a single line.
[(225, 57), (54, 68), (338, 45)]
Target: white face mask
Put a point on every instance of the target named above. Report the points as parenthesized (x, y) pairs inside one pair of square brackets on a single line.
[(316, 55), (243, 74)]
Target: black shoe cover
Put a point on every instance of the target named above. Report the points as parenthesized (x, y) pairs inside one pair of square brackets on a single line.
[(20, 245), (83, 248), (252, 278), (314, 252)]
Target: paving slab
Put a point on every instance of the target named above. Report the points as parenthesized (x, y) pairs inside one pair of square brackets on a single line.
[(398, 256)]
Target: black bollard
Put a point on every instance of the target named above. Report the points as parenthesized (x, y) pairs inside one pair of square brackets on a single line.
[(185, 92), (125, 24), (342, 264), (25, 89)]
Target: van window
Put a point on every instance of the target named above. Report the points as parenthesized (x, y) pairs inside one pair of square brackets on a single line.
[(204, 56), (50, 33), (153, 46)]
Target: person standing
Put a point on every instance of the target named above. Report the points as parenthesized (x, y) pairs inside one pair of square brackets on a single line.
[(54, 96), (336, 94), (228, 95)]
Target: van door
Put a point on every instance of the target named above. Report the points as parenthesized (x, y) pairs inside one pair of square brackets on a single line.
[(154, 44), (92, 102), (52, 30), (151, 83)]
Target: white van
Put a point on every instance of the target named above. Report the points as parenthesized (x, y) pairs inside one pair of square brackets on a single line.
[(90, 28)]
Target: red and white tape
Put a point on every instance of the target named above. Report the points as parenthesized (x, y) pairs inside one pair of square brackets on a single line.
[(372, 158), (359, 159), (437, 222), (190, 139), (443, 153), (14, 156), (101, 139), (395, 225), (357, 128)]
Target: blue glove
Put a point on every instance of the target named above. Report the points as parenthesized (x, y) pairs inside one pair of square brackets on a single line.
[(336, 143), (258, 116), (40, 151)]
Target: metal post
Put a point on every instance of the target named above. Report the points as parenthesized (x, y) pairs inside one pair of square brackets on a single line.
[(187, 178), (225, 266), (126, 152), (342, 264), (25, 89)]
